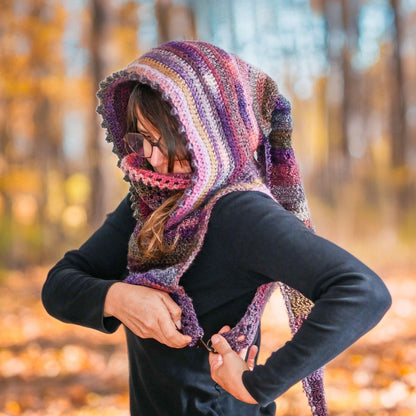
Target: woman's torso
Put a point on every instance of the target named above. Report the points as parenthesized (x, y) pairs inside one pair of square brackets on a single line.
[(166, 381)]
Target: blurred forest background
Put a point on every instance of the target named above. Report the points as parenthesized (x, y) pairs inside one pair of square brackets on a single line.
[(349, 70)]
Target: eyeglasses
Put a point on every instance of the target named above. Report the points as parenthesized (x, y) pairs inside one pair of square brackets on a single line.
[(143, 145)]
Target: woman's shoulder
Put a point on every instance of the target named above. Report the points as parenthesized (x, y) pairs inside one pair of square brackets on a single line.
[(237, 199), (247, 203), (248, 209)]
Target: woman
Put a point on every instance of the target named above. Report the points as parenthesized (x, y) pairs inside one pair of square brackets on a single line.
[(215, 218)]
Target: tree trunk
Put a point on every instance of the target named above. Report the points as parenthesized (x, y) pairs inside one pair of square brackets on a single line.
[(398, 129), (403, 186), (349, 23), (42, 114), (175, 21), (162, 8), (330, 105), (98, 21)]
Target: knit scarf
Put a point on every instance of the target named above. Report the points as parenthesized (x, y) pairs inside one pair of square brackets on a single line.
[(238, 129)]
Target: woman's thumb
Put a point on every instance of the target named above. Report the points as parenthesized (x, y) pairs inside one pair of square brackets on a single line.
[(220, 344)]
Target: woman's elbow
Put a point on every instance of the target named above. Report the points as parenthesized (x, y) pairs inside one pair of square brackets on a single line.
[(378, 296), (383, 297), (48, 295)]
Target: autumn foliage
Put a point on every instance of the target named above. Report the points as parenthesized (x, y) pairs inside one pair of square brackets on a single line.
[(354, 136)]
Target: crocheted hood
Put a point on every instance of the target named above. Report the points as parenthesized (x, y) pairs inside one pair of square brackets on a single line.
[(224, 107), (238, 130)]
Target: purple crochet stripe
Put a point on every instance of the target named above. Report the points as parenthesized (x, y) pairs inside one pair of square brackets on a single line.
[(231, 109), (249, 324), (222, 110), (112, 117), (221, 102), (203, 65), (225, 102), (194, 90)]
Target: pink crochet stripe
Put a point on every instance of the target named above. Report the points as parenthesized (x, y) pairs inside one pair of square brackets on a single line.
[(163, 181)]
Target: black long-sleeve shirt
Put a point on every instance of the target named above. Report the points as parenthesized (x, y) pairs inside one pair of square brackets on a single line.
[(251, 240)]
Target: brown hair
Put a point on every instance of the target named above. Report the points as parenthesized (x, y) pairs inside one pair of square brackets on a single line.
[(157, 111)]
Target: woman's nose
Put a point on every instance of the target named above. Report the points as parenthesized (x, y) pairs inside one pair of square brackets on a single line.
[(158, 160)]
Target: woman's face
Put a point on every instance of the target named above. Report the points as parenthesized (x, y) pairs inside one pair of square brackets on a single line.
[(158, 160)]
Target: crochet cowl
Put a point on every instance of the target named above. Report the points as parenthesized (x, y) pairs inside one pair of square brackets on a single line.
[(238, 129)]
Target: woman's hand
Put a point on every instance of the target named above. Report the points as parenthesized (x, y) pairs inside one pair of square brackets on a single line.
[(227, 366), (147, 312)]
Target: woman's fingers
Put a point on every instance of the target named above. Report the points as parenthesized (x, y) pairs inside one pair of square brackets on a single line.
[(174, 310), (224, 329), (149, 313), (171, 336), (252, 352), (227, 369), (251, 358), (221, 345), (243, 353)]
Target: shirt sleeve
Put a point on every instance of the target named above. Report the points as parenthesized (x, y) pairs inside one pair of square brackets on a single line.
[(76, 287), (349, 299)]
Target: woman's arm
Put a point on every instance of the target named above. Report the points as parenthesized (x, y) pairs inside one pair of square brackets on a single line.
[(84, 287), (274, 245)]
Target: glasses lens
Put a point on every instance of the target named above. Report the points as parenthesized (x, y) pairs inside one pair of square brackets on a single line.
[(135, 143), (143, 146)]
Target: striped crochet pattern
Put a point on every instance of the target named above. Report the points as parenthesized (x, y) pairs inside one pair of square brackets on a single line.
[(238, 129)]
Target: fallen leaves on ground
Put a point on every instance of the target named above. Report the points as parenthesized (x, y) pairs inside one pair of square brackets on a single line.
[(50, 368)]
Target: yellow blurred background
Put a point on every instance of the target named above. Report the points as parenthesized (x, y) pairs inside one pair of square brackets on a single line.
[(349, 70)]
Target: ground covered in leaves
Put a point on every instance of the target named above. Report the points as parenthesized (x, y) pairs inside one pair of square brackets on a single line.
[(49, 368)]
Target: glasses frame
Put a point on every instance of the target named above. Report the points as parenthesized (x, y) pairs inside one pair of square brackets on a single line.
[(143, 138)]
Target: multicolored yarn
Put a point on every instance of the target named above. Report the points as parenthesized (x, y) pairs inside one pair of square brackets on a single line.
[(238, 130)]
